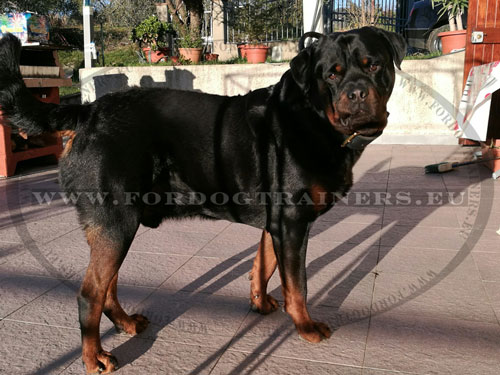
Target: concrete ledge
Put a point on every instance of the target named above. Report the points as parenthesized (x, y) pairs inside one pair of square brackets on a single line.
[(422, 107), (237, 79)]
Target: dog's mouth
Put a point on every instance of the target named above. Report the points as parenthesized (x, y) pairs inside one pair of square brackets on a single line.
[(362, 122), (346, 123)]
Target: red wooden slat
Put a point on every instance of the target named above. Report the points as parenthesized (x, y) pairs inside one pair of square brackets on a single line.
[(491, 35), (483, 15)]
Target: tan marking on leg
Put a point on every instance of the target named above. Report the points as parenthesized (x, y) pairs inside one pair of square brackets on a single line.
[(263, 268), (67, 148), (133, 324), (104, 264), (295, 305)]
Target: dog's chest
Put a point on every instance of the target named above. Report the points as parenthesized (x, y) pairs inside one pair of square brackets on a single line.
[(332, 182)]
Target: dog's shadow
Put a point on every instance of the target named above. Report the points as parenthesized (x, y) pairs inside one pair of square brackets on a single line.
[(176, 78)]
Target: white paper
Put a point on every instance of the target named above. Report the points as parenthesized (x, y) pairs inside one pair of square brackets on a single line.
[(474, 109)]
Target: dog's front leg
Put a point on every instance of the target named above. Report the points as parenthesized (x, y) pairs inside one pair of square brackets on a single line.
[(290, 245)]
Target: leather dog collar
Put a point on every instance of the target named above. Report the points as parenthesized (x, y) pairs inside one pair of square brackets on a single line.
[(357, 141)]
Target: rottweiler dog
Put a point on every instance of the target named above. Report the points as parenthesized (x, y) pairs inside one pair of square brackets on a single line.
[(275, 158)]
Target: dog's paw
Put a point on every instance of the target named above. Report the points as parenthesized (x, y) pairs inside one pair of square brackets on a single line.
[(103, 363), (136, 324), (314, 331), (264, 304)]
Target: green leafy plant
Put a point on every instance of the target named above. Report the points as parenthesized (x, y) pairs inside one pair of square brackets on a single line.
[(454, 9), (190, 41), (152, 32)]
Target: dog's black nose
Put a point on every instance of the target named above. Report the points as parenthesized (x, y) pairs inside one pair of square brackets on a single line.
[(357, 95)]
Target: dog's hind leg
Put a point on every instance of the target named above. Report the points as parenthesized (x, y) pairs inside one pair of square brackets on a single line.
[(131, 324), (263, 268), (108, 248)]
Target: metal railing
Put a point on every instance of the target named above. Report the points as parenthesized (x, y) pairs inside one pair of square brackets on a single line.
[(346, 14), (282, 19)]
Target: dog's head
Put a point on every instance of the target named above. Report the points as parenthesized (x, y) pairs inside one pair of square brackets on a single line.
[(348, 77)]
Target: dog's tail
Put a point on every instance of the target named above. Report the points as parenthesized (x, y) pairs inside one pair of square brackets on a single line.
[(19, 106)]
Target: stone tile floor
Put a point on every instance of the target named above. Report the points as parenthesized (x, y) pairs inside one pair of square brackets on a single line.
[(408, 287)]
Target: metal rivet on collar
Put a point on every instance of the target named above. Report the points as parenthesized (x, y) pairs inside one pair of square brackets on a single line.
[(349, 139)]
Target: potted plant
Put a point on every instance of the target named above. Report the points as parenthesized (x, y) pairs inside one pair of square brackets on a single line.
[(186, 19), (456, 37), (190, 47), (252, 20), (151, 34)]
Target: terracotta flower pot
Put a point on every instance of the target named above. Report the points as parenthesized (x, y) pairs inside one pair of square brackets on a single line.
[(451, 40), (256, 53), (192, 54), (211, 57), (155, 56), (243, 51)]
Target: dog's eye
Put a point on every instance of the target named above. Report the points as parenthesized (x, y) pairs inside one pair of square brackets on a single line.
[(337, 68), (373, 67)]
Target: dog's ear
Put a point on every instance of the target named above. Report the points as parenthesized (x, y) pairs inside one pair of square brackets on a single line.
[(300, 66), (397, 44), (309, 34)]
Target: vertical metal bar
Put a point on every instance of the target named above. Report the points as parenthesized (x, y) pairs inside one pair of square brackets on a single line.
[(394, 16), (102, 43)]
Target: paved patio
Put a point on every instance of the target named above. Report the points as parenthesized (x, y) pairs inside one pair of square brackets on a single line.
[(408, 287)]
